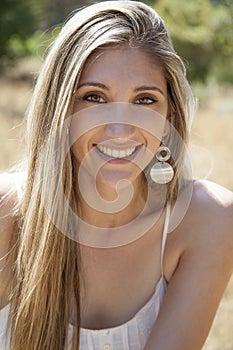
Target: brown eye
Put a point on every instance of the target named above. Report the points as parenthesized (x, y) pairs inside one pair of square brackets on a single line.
[(94, 98), (145, 100)]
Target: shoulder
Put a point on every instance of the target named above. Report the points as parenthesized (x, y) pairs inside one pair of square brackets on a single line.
[(209, 212), (201, 270), (208, 224), (212, 206), (212, 195), (8, 203), (8, 192)]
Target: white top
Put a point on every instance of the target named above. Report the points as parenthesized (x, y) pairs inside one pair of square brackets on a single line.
[(131, 335)]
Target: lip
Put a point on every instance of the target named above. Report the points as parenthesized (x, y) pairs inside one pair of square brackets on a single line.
[(124, 160)]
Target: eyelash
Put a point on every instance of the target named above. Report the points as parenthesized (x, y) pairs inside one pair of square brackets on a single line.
[(89, 98), (152, 99)]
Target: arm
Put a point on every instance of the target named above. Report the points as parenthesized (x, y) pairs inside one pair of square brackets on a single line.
[(205, 267)]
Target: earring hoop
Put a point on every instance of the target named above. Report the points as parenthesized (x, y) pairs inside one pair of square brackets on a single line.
[(162, 172), (163, 153)]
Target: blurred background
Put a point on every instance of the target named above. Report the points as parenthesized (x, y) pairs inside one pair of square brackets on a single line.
[(202, 34)]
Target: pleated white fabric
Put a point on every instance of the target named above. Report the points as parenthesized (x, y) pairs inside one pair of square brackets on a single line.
[(131, 335)]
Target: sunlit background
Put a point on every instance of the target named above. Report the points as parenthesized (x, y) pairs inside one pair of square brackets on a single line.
[(202, 32)]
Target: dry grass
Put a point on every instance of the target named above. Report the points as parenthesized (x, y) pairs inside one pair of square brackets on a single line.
[(211, 155), (213, 132), (16, 88)]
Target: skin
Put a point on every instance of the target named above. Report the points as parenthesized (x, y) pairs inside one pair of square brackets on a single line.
[(198, 254), (101, 82)]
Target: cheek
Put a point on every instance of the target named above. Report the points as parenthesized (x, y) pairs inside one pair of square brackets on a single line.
[(153, 141), (81, 136), (79, 147), (163, 110), (153, 144), (76, 150)]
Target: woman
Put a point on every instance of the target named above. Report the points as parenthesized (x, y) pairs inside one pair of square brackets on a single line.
[(86, 259)]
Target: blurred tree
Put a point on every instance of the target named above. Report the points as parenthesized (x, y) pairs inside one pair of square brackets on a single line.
[(16, 20), (201, 32), (53, 12)]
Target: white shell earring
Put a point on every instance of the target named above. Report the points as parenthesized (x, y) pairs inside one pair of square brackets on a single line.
[(162, 172)]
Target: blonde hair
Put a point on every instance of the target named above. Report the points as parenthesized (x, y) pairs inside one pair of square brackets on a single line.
[(47, 264)]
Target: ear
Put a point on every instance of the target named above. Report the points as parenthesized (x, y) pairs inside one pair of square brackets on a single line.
[(167, 128), (167, 124)]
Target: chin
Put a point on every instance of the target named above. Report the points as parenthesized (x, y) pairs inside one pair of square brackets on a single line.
[(121, 178)]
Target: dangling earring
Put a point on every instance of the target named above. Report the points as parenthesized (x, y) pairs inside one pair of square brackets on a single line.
[(162, 172)]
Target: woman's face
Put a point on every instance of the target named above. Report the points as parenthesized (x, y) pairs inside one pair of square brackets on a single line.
[(127, 76)]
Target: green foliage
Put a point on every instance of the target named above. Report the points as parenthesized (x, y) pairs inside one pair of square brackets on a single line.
[(16, 20), (34, 45), (201, 32), (54, 12)]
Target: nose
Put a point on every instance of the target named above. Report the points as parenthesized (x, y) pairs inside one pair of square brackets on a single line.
[(120, 130)]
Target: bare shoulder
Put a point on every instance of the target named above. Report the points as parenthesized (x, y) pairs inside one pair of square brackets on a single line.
[(209, 215), (8, 201), (8, 195), (204, 266), (213, 195), (209, 223), (205, 227), (212, 208)]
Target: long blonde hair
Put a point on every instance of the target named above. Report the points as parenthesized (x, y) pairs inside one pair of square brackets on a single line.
[(47, 264)]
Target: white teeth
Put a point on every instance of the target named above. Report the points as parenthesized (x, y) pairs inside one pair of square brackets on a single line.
[(114, 152), (108, 151), (128, 151)]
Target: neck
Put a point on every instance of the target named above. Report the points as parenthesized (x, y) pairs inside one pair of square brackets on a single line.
[(104, 206)]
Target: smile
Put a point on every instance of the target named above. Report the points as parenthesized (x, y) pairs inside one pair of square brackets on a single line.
[(116, 153)]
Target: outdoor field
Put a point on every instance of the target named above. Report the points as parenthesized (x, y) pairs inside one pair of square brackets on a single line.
[(211, 153)]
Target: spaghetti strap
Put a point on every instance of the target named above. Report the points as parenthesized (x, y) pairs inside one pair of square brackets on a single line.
[(165, 232)]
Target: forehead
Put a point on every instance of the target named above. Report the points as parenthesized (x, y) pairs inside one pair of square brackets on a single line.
[(125, 62)]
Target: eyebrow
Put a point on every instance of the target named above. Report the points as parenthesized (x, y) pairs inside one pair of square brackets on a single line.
[(102, 86), (154, 88)]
